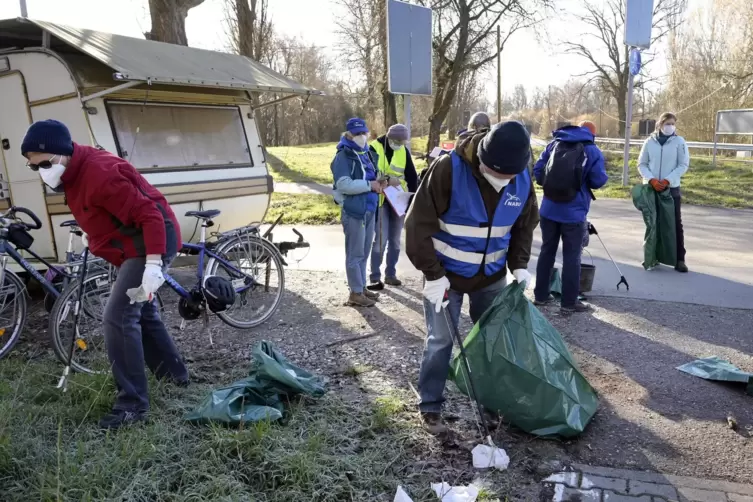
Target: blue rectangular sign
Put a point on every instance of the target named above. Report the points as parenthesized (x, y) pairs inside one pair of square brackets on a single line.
[(409, 51), (639, 20)]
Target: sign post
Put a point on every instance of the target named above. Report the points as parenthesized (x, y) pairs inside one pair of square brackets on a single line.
[(409, 52), (639, 20)]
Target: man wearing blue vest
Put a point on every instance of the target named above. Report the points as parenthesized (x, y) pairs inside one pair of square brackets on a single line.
[(471, 220)]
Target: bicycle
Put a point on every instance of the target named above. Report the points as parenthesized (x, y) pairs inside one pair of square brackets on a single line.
[(239, 254), (15, 236)]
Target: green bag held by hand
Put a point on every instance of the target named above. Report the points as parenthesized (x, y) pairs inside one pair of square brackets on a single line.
[(523, 370), (658, 209), (259, 396)]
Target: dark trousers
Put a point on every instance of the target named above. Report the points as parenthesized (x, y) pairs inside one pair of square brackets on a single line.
[(134, 335), (679, 232), (572, 246)]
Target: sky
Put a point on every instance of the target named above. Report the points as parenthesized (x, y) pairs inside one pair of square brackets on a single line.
[(528, 59)]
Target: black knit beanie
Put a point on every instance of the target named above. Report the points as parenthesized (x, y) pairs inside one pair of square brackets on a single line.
[(506, 148), (47, 136)]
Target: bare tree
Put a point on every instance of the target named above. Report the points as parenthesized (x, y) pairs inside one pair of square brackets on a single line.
[(519, 98), (463, 36), (608, 57), (169, 20)]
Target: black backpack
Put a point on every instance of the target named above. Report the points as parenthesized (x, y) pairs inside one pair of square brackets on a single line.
[(563, 175)]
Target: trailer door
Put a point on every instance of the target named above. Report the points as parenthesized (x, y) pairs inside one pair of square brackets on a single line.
[(25, 186)]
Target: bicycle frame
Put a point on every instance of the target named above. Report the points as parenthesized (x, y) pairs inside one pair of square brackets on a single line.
[(202, 251), (7, 251)]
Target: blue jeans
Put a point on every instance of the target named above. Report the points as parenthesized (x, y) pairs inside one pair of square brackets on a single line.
[(438, 349), (134, 335), (387, 234), (359, 236), (572, 247)]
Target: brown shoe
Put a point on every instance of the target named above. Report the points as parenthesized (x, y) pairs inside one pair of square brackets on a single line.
[(371, 295), (393, 281), (360, 300), (433, 423)]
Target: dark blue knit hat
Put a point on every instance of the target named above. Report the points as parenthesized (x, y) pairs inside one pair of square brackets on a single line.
[(48, 136), (506, 148)]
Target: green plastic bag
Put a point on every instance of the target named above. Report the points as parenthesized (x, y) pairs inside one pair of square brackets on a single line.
[(259, 396), (523, 370), (715, 368), (658, 209)]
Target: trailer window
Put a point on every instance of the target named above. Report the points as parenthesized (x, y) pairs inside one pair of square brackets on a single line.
[(178, 136)]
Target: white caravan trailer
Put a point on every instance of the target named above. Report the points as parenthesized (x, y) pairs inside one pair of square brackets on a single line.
[(183, 116)]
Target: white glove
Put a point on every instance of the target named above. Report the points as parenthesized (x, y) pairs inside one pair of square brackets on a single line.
[(521, 275), (434, 291), (85, 239), (152, 278)]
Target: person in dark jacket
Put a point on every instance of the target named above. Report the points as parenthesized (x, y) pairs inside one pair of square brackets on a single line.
[(566, 220), (396, 167), (129, 223), (356, 190), (471, 220)]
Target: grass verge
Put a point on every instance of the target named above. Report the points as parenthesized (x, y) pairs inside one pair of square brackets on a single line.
[(326, 450), (303, 209)]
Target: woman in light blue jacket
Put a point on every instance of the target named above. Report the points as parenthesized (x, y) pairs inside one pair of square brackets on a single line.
[(663, 161)]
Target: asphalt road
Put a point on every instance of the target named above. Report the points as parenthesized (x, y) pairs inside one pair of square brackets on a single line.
[(719, 243)]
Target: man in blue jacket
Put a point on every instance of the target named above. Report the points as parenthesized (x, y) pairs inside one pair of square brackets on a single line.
[(569, 169)]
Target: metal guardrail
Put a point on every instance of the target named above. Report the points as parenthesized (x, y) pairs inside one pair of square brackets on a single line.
[(709, 145)]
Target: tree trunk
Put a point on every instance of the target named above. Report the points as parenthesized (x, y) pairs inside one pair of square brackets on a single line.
[(621, 110), (435, 129), (169, 20)]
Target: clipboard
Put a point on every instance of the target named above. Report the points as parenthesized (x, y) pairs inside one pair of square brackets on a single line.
[(398, 199)]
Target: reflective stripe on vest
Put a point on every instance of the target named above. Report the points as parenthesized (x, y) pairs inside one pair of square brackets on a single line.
[(394, 168), (467, 240)]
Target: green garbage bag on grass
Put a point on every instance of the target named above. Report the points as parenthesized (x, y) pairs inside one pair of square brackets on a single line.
[(523, 370), (659, 241), (260, 395)]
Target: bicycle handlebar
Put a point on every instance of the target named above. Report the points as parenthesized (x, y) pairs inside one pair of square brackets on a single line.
[(30, 214)]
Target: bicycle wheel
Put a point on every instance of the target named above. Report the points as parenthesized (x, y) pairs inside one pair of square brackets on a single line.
[(12, 312), (89, 354), (255, 268)]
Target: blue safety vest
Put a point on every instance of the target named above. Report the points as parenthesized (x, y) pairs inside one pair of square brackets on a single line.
[(467, 240)]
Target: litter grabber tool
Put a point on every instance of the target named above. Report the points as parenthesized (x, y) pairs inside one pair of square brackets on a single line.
[(63, 382), (592, 231), (496, 457)]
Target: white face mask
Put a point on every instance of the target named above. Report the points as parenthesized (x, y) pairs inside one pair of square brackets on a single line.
[(668, 129), (51, 176), (497, 183), (396, 146), (360, 140)]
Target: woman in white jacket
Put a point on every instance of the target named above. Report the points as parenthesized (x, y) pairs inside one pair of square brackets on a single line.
[(664, 159)]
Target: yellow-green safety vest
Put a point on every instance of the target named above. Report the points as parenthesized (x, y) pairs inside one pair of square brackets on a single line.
[(396, 168)]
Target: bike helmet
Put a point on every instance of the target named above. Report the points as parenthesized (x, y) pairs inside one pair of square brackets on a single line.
[(219, 293)]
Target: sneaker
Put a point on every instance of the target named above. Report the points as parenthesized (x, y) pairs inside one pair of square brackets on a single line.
[(360, 300), (433, 423), (681, 267), (121, 418), (375, 286), (371, 295), (393, 281), (541, 303), (578, 308)]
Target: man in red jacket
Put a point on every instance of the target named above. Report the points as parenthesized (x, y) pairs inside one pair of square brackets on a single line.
[(130, 224)]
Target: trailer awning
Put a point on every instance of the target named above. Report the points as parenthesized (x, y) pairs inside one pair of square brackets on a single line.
[(140, 60)]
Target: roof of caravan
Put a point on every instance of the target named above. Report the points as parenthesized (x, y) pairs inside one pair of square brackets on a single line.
[(136, 59)]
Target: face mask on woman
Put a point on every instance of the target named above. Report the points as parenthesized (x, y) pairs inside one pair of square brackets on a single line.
[(395, 145), (360, 140), (668, 129)]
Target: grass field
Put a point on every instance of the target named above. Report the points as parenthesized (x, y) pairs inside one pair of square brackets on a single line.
[(729, 185), (325, 450)]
